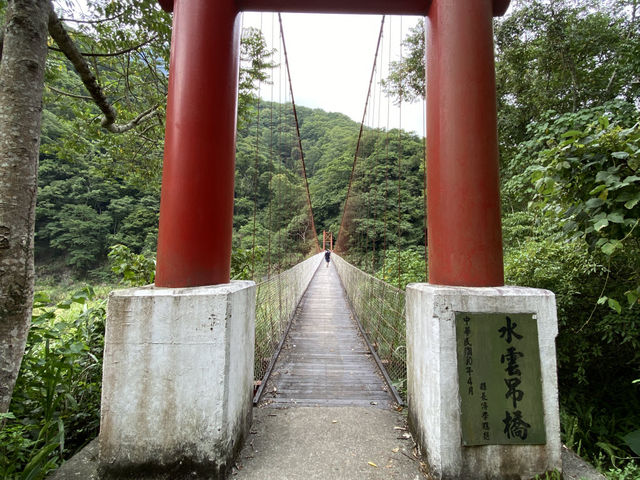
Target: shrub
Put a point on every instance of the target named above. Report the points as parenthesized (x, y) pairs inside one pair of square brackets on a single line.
[(56, 402), (596, 346)]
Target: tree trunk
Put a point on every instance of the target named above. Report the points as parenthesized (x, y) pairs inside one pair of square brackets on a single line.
[(21, 84)]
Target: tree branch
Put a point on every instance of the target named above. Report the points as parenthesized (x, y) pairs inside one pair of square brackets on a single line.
[(79, 62), (112, 54), (92, 22), (67, 94), (611, 79), (121, 128)]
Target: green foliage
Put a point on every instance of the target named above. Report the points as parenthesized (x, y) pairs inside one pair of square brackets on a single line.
[(588, 178), (633, 441), (81, 211), (255, 63), (594, 431), (96, 188), (534, 257), (134, 81), (243, 262), (135, 269), (562, 55), (385, 208), (555, 475), (544, 133), (409, 262), (271, 220), (630, 471), (56, 401), (592, 172), (597, 348)]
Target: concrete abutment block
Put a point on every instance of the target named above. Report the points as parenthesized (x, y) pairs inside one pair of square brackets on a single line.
[(433, 388), (177, 380)]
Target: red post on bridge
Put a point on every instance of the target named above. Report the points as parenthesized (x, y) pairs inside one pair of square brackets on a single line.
[(196, 206), (196, 209), (463, 199)]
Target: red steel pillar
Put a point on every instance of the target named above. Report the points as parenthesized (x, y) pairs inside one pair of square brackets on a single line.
[(196, 206), (463, 199)]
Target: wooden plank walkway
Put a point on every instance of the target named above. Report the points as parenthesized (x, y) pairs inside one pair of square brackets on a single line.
[(325, 361)]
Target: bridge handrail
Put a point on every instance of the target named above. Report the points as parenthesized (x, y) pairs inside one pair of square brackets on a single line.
[(380, 309), (276, 301)]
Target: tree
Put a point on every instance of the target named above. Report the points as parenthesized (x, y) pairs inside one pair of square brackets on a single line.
[(406, 80), (22, 72), (254, 58), (135, 35), (587, 178), (22, 67), (563, 56)]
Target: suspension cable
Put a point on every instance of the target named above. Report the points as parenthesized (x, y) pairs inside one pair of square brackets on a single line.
[(376, 186), (295, 114), (386, 163), (424, 194), (355, 157), (271, 162), (255, 176), (399, 167), (277, 165)]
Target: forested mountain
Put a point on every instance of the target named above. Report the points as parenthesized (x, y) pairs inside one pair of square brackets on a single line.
[(84, 206), (273, 184)]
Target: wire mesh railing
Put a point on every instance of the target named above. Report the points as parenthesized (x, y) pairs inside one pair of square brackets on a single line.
[(380, 309), (276, 302)]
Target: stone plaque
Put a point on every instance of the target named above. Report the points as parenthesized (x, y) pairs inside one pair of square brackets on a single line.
[(499, 379)]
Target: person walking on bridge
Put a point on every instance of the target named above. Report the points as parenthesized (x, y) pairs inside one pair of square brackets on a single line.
[(327, 256)]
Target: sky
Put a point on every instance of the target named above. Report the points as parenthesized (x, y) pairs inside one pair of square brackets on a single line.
[(331, 58)]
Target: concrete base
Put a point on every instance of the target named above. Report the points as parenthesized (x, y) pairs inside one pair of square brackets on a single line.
[(177, 381), (433, 397)]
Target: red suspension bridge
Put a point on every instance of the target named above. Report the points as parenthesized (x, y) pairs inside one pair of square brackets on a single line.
[(180, 367)]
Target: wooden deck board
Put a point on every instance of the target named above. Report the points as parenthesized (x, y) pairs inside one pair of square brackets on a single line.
[(325, 361)]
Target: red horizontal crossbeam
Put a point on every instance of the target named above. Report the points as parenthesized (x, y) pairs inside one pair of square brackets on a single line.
[(396, 7)]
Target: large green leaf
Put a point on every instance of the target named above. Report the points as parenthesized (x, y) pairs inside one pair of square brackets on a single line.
[(608, 248), (571, 133), (633, 440), (633, 202), (616, 217), (614, 305), (600, 224), (620, 155), (594, 203)]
